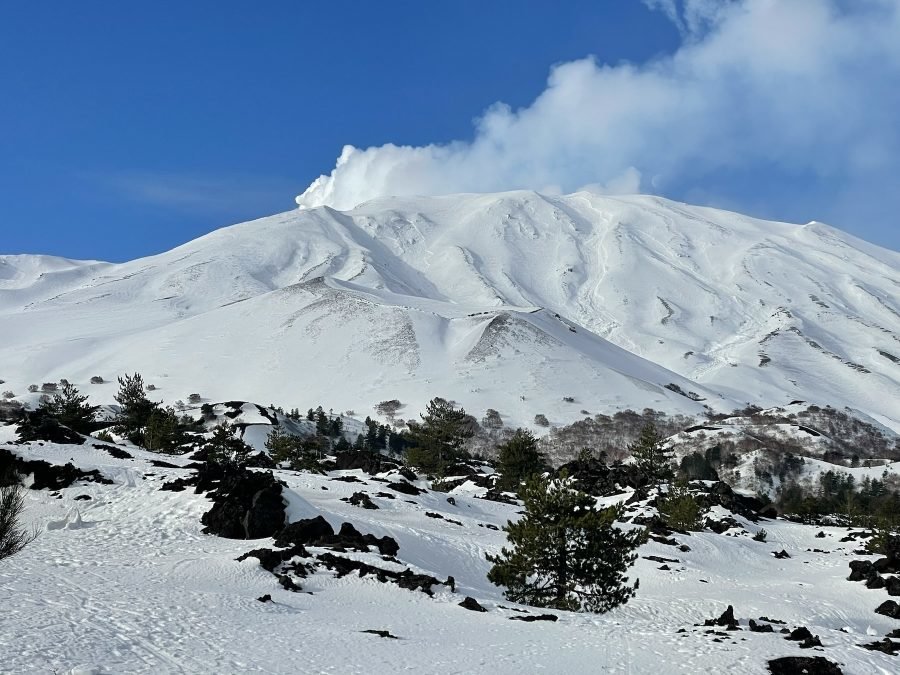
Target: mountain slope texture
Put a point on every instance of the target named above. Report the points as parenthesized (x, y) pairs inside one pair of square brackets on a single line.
[(511, 301)]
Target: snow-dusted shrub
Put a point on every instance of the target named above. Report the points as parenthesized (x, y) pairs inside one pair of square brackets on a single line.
[(96, 379), (49, 386), (194, 398), (32, 388), (541, 420), (8, 394), (151, 387)]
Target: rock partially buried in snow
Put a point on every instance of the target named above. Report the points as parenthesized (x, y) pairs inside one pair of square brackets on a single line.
[(472, 604), (535, 617), (803, 665)]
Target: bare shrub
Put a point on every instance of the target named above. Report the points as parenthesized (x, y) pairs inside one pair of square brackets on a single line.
[(491, 419), (388, 408)]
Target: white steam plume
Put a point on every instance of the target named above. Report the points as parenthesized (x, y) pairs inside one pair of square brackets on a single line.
[(796, 88)]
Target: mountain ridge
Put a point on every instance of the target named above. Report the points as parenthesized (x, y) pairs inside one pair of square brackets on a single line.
[(734, 308)]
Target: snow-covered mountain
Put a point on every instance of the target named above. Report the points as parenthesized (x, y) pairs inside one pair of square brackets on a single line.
[(511, 301)]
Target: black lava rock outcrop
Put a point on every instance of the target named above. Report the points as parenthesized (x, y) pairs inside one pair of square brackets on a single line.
[(535, 617), (472, 605), (804, 665), (889, 608), (246, 505), (405, 488), (44, 475)]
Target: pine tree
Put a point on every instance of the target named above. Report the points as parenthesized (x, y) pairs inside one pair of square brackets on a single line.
[(681, 509), (653, 460), (226, 449), (136, 408), (71, 409), (438, 439), (518, 459), (161, 431), (566, 553)]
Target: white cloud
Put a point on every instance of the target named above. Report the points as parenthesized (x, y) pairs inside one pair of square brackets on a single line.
[(803, 88), (193, 193)]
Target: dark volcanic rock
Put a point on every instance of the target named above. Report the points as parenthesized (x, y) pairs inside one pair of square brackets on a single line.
[(721, 494), (406, 579), (113, 451), (781, 555), (535, 617), (799, 634), (265, 598), (726, 619), (407, 473), (246, 505), (380, 633), (270, 559), (760, 627), (887, 646), (471, 604), (304, 532), (722, 524), (369, 462), (875, 581), (860, 570), (44, 475), (804, 637), (889, 608), (804, 665), (892, 584), (362, 500), (405, 488)]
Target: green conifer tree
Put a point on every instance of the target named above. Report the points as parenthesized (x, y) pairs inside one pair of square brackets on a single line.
[(519, 459), (565, 553), (650, 456), (439, 439), (71, 409)]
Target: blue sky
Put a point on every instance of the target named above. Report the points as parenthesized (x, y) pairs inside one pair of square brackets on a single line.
[(126, 128)]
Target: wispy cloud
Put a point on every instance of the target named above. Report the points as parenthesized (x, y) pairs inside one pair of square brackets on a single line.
[(780, 93), (196, 193)]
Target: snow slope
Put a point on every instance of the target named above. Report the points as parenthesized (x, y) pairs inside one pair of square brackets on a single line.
[(484, 299), (126, 582)]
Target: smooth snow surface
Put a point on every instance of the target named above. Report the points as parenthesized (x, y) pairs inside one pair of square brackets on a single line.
[(510, 301), (136, 587)]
